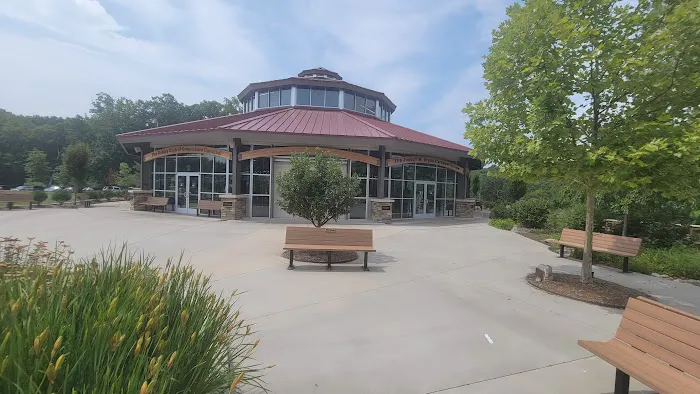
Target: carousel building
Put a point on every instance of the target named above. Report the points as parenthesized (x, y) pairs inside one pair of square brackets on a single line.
[(404, 173)]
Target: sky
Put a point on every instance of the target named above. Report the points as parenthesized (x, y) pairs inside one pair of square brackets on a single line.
[(425, 55)]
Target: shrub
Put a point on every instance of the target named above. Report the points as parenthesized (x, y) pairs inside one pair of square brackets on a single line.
[(570, 217), (503, 224), (117, 324), (108, 194), (39, 196), (61, 196), (94, 194), (531, 213), (501, 211)]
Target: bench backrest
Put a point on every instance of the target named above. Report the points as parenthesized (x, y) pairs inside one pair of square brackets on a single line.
[(15, 196), (208, 204), (669, 334), (615, 244), (157, 200), (329, 237)]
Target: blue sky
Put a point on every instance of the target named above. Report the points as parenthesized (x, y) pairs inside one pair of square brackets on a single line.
[(425, 55)]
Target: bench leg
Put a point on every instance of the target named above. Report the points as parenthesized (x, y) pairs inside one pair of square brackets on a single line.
[(366, 256), (329, 261), (622, 382), (30, 205), (561, 250), (291, 260), (626, 264)]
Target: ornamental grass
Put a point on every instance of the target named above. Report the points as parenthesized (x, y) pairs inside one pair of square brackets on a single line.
[(116, 324)]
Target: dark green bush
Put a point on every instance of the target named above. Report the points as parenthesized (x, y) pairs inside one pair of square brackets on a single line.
[(503, 224), (108, 194), (39, 196), (531, 213), (93, 194), (61, 196), (570, 217), (501, 211)]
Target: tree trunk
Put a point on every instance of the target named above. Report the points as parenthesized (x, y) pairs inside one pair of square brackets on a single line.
[(587, 264), (625, 222)]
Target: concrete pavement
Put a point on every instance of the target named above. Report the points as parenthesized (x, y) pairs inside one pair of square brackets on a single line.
[(444, 309)]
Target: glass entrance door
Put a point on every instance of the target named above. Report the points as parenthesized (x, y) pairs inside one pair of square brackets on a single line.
[(187, 195), (424, 201)]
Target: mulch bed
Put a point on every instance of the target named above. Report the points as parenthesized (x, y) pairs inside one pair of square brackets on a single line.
[(312, 256), (598, 291)]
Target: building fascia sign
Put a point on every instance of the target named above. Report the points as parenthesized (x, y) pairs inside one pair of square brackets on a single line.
[(202, 150), (425, 160)]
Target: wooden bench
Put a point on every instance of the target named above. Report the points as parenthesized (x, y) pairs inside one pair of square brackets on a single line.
[(656, 344), (210, 206), (154, 202), (328, 240), (613, 244), (11, 196), (87, 203)]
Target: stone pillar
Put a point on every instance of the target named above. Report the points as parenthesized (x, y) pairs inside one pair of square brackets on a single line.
[(462, 179), (235, 167), (382, 165), (381, 210), (464, 208), (139, 196), (146, 169), (234, 206)]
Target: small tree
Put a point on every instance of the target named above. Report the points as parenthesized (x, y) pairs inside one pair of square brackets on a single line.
[(127, 176), (35, 167), (75, 163), (315, 189), (39, 196)]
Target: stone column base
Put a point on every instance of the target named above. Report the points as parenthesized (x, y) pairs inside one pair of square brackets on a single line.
[(381, 210), (464, 208), (139, 196), (234, 206)]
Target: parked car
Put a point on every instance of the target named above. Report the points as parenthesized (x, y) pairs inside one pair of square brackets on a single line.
[(52, 188), (4, 187), (69, 188), (112, 188), (23, 188), (87, 189)]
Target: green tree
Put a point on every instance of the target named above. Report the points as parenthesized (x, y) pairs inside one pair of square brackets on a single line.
[(76, 160), (36, 168), (315, 189), (601, 95), (475, 183), (128, 176)]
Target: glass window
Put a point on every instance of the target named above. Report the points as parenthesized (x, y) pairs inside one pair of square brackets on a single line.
[(407, 211), (261, 165), (385, 193), (358, 211), (261, 184), (205, 196), (263, 100), (409, 171), (449, 190), (207, 182), (261, 206), (359, 168), (425, 173), (348, 100), (219, 183), (370, 106), (158, 194), (449, 207), (207, 164), (441, 175), (303, 95), (170, 182), (286, 96), (244, 187), (274, 98), (396, 209), (408, 189), (170, 164), (360, 104), (160, 182), (160, 165), (373, 187), (439, 207), (317, 95), (363, 188), (220, 165), (397, 172), (332, 99), (440, 190), (396, 189), (373, 171), (188, 164), (451, 176)]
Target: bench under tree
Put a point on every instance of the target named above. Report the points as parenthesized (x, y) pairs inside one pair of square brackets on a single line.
[(607, 243), (328, 240), (11, 196)]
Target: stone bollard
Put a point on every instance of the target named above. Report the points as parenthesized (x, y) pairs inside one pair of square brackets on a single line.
[(234, 206), (464, 208), (543, 272), (381, 210), (139, 196)]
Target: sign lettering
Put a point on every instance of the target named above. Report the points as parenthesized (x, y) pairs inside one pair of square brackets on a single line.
[(202, 150), (425, 160)]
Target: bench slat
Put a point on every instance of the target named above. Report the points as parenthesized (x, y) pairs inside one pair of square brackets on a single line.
[(643, 367), (157, 201), (329, 237), (208, 204), (684, 322), (14, 196), (597, 249), (661, 340), (328, 248), (659, 352), (689, 338), (614, 244)]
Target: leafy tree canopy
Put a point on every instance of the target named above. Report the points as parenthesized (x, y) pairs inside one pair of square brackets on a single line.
[(36, 167), (315, 188)]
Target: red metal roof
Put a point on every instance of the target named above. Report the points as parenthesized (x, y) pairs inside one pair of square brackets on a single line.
[(306, 121)]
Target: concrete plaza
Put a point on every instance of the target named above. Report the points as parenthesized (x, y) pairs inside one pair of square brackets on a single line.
[(444, 308)]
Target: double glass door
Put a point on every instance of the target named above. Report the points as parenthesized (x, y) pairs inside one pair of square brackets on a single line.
[(187, 195), (424, 202)]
